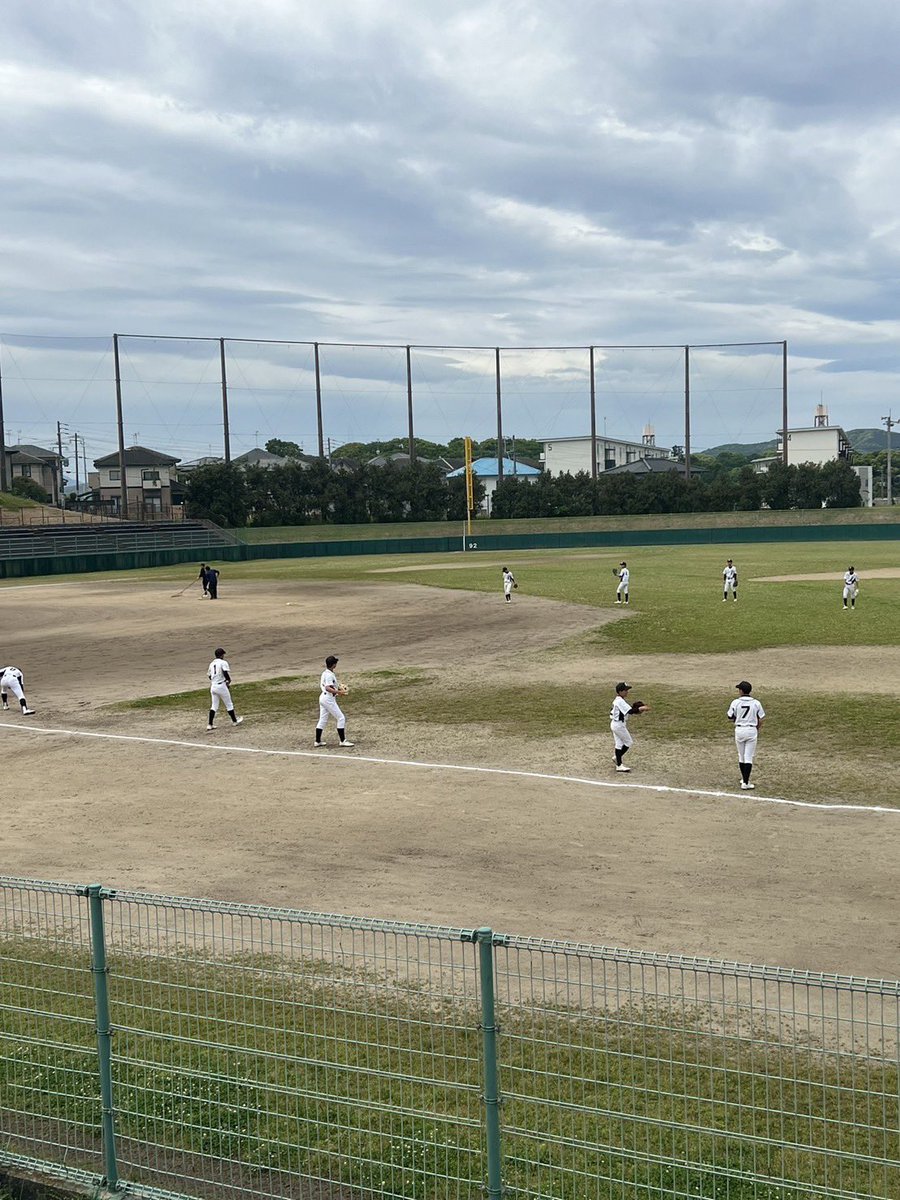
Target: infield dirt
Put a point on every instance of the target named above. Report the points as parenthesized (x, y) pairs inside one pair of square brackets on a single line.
[(726, 876)]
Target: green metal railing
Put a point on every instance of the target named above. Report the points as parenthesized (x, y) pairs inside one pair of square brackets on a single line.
[(166, 1047)]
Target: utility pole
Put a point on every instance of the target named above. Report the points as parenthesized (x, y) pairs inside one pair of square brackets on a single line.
[(224, 381), (120, 428), (59, 465), (889, 424), (77, 473), (4, 482)]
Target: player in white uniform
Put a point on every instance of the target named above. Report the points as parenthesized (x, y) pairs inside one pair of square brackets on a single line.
[(12, 680), (509, 582), (729, 581), (748, 715), (621, 710), (328, 705), (851, 587), (219, 674), (622, 590)]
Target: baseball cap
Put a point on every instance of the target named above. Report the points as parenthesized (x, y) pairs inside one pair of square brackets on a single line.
[(744, 684), (219, 650), (623, 687), (331, 660)]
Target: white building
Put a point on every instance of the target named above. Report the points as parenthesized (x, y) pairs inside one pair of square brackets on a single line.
[(817, 443), (573, 454)]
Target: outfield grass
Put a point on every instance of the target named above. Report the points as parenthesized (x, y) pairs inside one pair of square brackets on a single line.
[(487, 526)]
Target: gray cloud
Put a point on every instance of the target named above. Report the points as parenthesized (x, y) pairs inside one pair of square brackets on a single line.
[(492, 173)]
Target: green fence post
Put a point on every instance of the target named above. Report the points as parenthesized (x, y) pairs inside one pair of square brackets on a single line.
[(100, 971), (485, 939)]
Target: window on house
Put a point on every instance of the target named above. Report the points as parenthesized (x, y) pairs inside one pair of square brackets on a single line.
[(115, 475), (150, 476), (26, 470)]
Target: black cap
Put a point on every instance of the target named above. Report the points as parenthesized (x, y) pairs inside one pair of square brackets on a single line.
[(744, 686), (623, 563), (331, 660), (220, 653), (623, 687)]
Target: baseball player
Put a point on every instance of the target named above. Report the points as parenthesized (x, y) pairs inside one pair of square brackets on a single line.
[(328, 705), (509, 582), (211, 579), (219, 674), (202, 578), (621, 710), (851, 587), (623, 575), (12, 680), (748, 715), (729, 581)]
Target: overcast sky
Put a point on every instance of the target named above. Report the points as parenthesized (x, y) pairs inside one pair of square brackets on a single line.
[(521, 173)]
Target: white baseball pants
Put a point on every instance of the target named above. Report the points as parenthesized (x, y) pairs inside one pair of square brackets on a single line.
[(850, 593), (621, 734), (329, 707), (219, 693), (745, 737), (10, 683)]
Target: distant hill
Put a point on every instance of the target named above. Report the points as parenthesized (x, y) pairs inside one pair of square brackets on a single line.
[(750, 449), (863, 441)]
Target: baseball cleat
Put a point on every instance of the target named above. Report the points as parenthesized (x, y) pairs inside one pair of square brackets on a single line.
[(28, 712), (622, 767), (320, 745), (238, 720), (346, 745), (6, 708), (209, 729), (747, 787)]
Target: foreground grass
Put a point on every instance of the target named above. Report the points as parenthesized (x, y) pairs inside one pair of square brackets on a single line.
[(249, 1070), (485, 526)]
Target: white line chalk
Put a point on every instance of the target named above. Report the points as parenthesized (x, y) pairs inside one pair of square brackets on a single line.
[(426, 766)]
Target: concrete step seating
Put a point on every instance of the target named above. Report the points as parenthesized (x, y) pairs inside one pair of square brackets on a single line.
[(37, 541)]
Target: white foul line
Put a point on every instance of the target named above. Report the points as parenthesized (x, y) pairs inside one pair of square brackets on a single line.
[(403, 762)]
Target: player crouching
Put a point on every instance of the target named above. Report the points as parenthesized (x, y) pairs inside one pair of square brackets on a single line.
[(12, 680)]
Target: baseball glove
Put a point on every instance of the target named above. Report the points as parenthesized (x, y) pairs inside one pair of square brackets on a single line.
[(343, 690), (515, 585), (637, 707), (616, 572)]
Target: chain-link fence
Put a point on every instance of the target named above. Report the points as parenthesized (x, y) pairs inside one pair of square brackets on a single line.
[(172, 1047)]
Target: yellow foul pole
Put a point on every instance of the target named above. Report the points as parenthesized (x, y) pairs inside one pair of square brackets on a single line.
[(470, 490)]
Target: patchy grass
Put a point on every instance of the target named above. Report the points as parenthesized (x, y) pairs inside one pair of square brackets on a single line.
[(855, 743)]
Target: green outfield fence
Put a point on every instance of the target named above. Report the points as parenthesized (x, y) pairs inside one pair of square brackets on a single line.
[(63, 564), (171, 1048)]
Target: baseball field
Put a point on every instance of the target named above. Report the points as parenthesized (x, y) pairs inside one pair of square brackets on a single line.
[(481, 787)]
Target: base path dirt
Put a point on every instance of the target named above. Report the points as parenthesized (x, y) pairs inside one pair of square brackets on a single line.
[(684, 873)]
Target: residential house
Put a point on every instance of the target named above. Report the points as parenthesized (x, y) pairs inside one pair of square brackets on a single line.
[(148, 483), (44, 467)]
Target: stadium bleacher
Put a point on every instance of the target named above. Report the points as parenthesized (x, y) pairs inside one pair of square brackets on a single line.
[(38, 541)]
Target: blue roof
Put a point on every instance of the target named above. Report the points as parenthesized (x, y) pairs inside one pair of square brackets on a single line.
[(491, 467)]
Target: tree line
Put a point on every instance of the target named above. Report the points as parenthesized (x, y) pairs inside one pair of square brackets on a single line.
[(832, 485), (294, 494)]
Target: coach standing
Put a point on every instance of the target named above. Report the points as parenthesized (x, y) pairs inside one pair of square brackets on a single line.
[(212, 583)]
